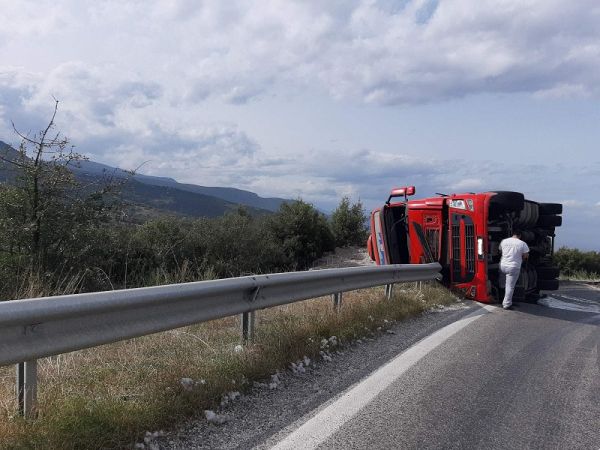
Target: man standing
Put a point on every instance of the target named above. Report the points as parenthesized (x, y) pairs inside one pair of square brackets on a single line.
[(514, 252)]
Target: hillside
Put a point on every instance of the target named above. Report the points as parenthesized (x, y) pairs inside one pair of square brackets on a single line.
[(232, 195), (150, 195)]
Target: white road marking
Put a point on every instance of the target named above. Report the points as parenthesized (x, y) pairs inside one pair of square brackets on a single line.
[(336, 413)]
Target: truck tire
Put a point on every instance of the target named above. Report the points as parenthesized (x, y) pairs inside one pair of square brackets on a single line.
[(547, 273), (523, 281), (544, 232), (528, 236), (523, 218), (547, 285), (528, 215), (518, 294), (527, 279), (534, 213), (506, 201), (533, 279), (551, 208), (549, 221)]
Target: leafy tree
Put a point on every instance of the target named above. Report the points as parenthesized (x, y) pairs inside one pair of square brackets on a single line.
[(348, 224), (302, 232)]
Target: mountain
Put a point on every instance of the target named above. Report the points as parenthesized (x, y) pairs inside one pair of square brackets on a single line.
[(232, 195), (150, 195)]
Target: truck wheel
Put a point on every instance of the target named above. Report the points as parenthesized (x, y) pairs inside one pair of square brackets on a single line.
[(528, 215), (544, 232), (519, 294), (548, 285), (547, 273), (523, 218), (528, 236), (549, 221), (506, 201), (551, 208), (533, 279), (530, 297), (523, 279), (535, 213)]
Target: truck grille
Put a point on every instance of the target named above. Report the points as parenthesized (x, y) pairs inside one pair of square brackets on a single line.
[(470, 248), (456, 250)]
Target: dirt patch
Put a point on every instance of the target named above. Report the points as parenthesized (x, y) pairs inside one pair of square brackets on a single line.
[(344, 257)]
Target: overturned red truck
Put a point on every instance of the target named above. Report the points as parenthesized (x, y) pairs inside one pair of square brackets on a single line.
[(463, 232)]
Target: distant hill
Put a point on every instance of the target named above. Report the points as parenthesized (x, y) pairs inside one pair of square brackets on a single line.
[(233, 195), (153, 194), (7, 171)]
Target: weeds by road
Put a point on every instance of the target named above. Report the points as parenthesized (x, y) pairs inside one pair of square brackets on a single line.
[(582, 275), (108, 397)]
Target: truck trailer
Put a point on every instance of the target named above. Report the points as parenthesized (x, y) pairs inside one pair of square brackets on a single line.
[(463, 233)]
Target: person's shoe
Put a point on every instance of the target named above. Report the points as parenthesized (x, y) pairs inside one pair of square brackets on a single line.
[(510, 307)]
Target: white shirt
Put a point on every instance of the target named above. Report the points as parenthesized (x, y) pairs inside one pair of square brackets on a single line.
[(512, 250)]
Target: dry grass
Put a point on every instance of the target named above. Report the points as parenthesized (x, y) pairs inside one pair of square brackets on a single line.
[(107, 397), (582, 275)]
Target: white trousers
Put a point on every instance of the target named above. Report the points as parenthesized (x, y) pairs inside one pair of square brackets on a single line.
[(512, 275)]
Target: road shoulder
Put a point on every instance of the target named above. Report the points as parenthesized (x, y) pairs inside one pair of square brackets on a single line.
[(262, 413)]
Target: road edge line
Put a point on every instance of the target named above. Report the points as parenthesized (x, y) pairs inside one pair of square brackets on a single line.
[(326, 421)]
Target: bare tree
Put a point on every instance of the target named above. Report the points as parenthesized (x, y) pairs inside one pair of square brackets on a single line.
[(48, 205)]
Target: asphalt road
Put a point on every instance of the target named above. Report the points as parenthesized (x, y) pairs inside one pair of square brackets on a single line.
[(522, 379)]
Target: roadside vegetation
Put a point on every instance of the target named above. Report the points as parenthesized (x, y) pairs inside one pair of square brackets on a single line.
[(65, 234), (61, 234), (108, 397), (575, 264)]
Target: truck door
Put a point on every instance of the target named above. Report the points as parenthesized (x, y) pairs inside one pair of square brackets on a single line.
[(388, 242), (377, 238)]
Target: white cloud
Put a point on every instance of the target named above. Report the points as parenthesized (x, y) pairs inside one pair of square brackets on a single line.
[(573, 203), (364, 49), (133, 78), (467, 184)]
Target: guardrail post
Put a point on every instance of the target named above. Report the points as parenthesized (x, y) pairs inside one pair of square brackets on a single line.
[(27, 388), (337, 300), (248, 321), (389, 291)]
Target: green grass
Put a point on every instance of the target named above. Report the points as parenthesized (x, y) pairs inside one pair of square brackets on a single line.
[(109, 396)]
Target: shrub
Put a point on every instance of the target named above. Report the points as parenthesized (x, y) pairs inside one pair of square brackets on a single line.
[(348, 223), (302, 232), (572, 261)]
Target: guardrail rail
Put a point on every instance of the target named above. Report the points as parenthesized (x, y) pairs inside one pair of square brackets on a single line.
[(36, 328)]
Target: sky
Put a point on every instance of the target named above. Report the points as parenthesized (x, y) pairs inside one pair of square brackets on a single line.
[(321, 99)]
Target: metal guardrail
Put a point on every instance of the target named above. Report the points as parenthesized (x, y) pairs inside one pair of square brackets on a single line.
[(37, 328)]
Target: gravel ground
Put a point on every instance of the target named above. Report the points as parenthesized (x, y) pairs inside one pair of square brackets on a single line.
[(260, 414), (344, 257)]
